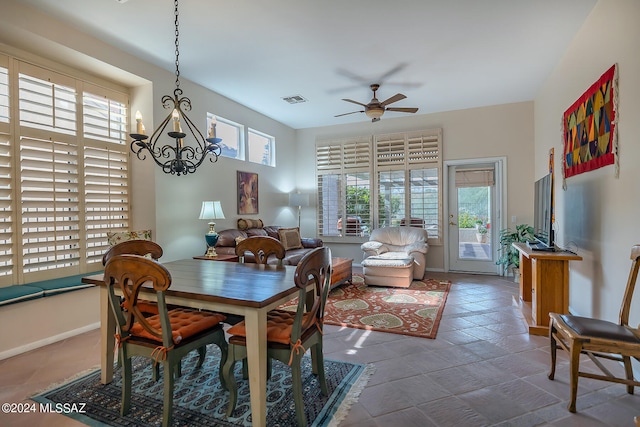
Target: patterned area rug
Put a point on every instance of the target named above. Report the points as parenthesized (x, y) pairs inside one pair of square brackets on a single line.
[(415, 310), (200, 401)]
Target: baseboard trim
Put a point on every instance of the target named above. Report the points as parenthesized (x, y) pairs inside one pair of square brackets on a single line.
[(46, 341)]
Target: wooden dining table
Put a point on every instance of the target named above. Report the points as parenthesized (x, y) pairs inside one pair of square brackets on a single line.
[(250, 290)]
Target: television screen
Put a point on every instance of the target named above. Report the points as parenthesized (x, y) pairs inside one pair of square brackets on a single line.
[(543, 214)]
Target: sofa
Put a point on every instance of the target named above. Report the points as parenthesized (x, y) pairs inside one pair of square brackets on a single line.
[(395, 256), (295, 246)]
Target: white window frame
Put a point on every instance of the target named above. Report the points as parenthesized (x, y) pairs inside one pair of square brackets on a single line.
[(221, 133), (271, 141), (370, 156), (64, 180)]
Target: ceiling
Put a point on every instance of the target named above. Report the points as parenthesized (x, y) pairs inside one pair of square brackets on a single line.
[(443, 55)]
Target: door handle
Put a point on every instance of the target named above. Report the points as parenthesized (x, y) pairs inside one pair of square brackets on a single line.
[(452, 223)]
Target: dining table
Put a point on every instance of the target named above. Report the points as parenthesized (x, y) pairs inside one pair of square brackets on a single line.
[(249, 290)]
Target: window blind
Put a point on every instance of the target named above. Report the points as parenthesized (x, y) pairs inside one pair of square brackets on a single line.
[(64, 178)]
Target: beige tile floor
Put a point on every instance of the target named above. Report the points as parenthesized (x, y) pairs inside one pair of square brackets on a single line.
[(483, 369)]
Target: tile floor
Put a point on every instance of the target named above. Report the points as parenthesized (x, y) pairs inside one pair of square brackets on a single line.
[(483, 369)]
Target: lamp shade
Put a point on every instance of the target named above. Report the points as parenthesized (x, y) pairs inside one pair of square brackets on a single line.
[(211, 210), (298, 199)]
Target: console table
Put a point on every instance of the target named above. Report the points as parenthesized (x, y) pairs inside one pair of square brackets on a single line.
[(544, 285)]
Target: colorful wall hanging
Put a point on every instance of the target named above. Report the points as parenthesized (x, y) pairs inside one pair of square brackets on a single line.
[(589, 125)]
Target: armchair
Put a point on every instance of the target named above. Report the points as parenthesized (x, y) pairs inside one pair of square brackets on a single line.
[(402, 248)]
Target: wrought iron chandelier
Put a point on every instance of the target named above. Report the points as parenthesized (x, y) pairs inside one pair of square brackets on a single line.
[(179, 158)]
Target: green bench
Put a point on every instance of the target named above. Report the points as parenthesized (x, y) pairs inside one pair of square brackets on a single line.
[(16, 293)]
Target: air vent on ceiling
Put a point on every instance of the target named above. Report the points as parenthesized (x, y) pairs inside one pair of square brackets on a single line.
[(295, 99)]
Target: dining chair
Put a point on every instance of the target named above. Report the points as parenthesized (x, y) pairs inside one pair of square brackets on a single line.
[(598, 339), (289, 333), (260, 247), (137, 247), (166, 337)]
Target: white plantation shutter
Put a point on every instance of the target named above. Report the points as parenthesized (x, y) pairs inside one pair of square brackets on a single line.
[(7, 215), (104, 116), (50, 204), (64, 175), (382, 179), (106, 187)]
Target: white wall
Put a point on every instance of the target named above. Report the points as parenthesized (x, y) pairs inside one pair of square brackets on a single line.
[(598, 213), (169, 205), (495, 131)]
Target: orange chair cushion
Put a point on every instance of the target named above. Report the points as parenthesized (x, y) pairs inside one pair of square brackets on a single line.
[(185, 323), (279, 325), (146, 307)]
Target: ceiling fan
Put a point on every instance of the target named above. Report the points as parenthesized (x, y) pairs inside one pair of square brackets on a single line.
[(375, 109)]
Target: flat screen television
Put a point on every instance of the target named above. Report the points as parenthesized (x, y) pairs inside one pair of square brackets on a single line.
[(543, 214)]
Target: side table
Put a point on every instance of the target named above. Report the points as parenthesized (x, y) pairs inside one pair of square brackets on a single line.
[(342, 271)]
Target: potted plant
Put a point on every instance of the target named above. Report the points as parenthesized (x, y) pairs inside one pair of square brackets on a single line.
[(509, 256), (481, 233)]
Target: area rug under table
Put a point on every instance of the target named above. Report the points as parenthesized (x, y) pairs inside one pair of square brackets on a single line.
[(199, 399), (414, 311)]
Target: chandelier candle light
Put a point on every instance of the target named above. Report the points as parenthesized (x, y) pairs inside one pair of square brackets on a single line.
[(211, 211), (179, 158)]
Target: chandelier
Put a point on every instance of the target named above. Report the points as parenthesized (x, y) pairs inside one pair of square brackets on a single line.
[(177, 158)]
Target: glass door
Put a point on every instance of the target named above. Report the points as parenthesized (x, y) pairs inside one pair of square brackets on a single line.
[(472, 233)]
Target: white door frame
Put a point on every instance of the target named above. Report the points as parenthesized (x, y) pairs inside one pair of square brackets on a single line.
[(500, 194)]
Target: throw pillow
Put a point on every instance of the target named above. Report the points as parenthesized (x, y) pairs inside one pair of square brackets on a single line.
[(113, 238), (245, 223), (290, 238)]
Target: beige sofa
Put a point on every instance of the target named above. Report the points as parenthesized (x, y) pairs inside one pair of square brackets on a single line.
[(395, 256)]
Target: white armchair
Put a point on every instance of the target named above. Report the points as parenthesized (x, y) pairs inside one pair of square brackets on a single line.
[(399, 242)]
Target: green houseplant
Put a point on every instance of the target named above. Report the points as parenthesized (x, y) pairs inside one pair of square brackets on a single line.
[(509, 256)]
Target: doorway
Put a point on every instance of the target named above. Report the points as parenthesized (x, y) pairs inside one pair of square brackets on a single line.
[(474, 198)]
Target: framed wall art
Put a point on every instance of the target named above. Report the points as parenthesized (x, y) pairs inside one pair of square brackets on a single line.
[(589, 127), (247, 193)]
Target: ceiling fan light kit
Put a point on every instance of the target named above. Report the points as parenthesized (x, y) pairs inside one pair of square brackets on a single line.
[(375, 109)]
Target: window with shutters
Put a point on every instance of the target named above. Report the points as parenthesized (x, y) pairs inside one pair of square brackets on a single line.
[(63, 172), (379, 181)]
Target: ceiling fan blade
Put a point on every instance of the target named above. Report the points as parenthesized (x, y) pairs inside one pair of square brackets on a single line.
[(345, 114), (355, 102), (395, 98), (402, 109), (351, 76), (391, 72)]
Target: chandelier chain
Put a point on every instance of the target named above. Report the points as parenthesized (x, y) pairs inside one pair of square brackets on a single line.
[(177, 45)]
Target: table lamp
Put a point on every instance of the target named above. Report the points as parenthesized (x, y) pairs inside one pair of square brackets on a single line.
[(211, 211), (299, 200)]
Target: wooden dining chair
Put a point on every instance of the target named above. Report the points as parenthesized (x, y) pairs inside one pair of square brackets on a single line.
[(166, 337), (290, 334), (137, 247), (598, 339), (260, 247)]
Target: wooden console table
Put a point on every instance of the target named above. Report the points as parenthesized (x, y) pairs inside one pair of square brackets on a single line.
[(544, 285)]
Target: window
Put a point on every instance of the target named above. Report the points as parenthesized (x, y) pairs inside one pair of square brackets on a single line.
[(261, 148), (68, 184), (232, 135), (344, 188), (400, 187)]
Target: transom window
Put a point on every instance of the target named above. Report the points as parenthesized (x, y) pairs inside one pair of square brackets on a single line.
[(232, 135), (261, 148)]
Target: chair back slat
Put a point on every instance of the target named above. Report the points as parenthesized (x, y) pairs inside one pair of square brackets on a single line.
[(261, 247), (135, 247), (631, 284), (313, 268), (130, 273)]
